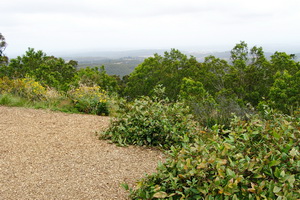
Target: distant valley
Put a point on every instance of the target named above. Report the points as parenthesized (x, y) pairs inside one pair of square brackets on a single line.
[(122, 63)]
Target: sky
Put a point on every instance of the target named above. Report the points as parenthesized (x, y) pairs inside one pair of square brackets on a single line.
[(62, 26)]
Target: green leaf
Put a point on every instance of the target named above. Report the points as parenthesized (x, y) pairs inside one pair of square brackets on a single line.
[(160, 195), (291, 179), (276, 189), (277, 172), (274, 163), (195, 191), (235, 197), (276, 135), (230, 172), (257, 176), (149, 139), (294, 152), (125, 186)]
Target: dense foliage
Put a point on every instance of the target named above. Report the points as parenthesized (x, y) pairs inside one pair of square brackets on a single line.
[(25, 87), (153, 122), (97, 76), (91, 100), (167, 71), (255, 159), (50, 71), (249, 79)]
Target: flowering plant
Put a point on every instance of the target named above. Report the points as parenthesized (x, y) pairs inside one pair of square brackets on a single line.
[(90, 99)]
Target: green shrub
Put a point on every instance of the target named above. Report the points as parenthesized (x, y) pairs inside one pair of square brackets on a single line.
[(6, 85), (152, 122), (258, 159), (5, 99), (91, 100), (11, 100), (26, 88), (31, 89)]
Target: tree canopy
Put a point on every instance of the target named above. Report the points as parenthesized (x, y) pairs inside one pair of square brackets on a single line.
[(3, 44), (248, 78)]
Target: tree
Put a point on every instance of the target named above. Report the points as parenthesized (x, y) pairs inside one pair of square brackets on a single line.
[(144, 77), (285, 92), (212, 74), (239, 55), (250, 76), (49, 70), (202, 104), (235, 79), (3, 44), (97, 76), (281, 61), (167, 70), (257, 79)]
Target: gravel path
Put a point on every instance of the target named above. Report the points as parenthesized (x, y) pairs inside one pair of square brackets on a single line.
[(52, 155)]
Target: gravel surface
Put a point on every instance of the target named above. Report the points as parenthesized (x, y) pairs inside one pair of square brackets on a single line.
[(52, 155)]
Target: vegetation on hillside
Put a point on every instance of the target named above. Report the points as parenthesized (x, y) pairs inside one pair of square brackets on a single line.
[(254, 159), (231, 129), (152, 122)]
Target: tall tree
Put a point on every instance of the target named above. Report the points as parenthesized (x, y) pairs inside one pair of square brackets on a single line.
[(167, 70), (49, 70), (3, 44), (97, 76), (239, 55), (285, 92), (235, 79), (282, 61), (212, 74), (257, 79)]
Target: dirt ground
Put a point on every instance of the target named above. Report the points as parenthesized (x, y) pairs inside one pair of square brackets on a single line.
[(48, 155)]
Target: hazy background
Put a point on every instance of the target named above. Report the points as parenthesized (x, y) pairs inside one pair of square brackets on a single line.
[(66, 27)]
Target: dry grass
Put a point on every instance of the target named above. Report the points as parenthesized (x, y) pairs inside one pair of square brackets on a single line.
[(52, 155)]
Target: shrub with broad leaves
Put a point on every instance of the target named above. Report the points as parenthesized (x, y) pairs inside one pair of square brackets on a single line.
[(152, 122), (255, 159), (91, 100)]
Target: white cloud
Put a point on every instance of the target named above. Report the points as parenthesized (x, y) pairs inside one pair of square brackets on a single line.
[(91, 24)]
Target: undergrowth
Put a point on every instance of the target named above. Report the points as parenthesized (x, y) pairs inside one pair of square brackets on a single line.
[(255, 159), (27, 92)]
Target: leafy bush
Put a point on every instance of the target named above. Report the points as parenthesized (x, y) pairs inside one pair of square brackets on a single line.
[(258, 159), (6, 85), (153, 122), (90, 100), (11, 100), (96, 76), (32, 90), (26, 87), (202, 104), (5, 99)]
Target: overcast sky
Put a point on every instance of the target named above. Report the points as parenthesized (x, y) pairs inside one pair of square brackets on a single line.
[(86, 25)]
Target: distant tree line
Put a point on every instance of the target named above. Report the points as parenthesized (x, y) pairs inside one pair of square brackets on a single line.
[(248, 79)]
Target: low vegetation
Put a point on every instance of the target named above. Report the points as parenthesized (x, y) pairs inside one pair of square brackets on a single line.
[(254, 159), (230, 129), (27, 92)]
